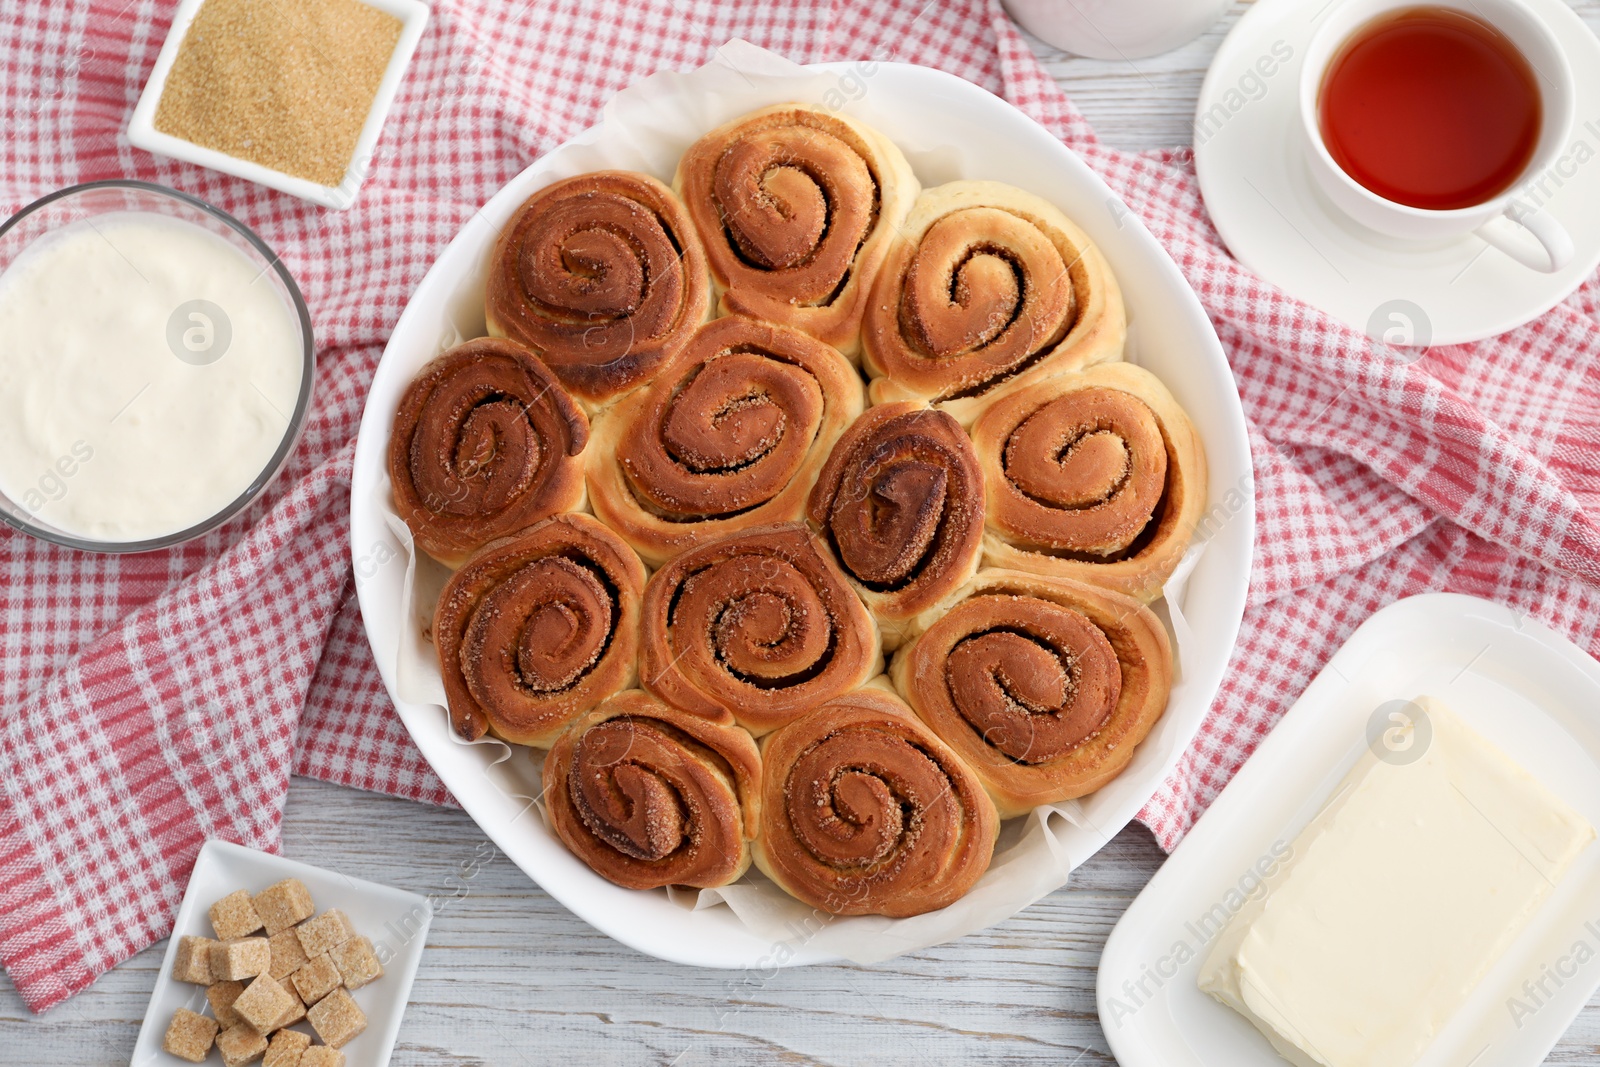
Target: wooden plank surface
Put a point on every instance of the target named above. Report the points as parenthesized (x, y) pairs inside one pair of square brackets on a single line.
[(511, 978)]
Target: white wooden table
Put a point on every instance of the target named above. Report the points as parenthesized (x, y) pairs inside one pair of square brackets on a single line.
[(511, 978)]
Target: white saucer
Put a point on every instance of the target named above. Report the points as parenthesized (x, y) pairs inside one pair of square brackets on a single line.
[(1264, 204)]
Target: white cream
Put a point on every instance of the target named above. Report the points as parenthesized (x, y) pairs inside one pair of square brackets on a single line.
[(105, 431), (1400, 896)]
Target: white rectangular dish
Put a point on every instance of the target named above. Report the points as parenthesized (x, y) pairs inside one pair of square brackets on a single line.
[(948, 129), (142, 132), (1526, 689), (396, 921)]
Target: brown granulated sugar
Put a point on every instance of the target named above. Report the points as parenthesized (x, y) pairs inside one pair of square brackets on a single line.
[(283, 83)]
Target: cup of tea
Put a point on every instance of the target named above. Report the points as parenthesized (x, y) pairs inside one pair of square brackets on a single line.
[(1425, 122)]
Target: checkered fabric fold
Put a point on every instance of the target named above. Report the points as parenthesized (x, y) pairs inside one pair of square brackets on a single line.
[(153, 701)]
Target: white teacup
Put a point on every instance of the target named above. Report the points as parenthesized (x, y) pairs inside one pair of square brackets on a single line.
[(1504, 221)]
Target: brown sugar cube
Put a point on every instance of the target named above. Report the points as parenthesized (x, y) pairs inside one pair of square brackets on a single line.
[(283, 904), (240, 1045), (264, 1002), (287, 955), (189, 1036), (193, 961), (285, 1049), (222, 995), (322, 1056), (322, 933), (317, 979), (336, 1018), (234, 916), (294, 1014), (244, 958), (356, 961)]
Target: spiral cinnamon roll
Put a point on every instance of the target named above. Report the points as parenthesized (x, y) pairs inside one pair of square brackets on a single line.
[(757, 627), (537, 628), (795, 205), (603, 276), (986, 288), (1098, 476), (1043, 685), (730, 435), (865, 812), (485, 442), (900, 502), (651, 796)]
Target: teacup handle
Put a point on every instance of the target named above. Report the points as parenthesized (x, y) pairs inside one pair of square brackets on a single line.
[(1506, 232)]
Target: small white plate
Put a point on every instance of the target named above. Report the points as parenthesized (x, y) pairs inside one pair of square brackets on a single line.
[(1268, 210), (142, 133), (396, 921), (1525, 688), (950, 129)]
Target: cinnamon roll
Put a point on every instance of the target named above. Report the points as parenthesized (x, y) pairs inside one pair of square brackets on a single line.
[(865, 812), (537, 628), (900, 501), (485, 442), (795, 205), (1043, 685), (757, 627), (986, 288), (651, 796), (603, 276), (730, 435), (1098, 476)]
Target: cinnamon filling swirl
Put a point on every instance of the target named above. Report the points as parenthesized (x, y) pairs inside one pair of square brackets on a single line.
[(1044, 686), (901, 501), (728, 437), (986, 288), (1097, 476), (795, 206), (757, 626), (1038, 684), (1095, 463), (865, 812), (602, 276), (649, 796), (537, 628), (485, 442)]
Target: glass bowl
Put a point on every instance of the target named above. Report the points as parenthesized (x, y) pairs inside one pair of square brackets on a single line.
[(45, 216)]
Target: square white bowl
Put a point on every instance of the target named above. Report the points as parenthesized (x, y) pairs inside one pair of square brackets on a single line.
[(396, 921), (142, 133)]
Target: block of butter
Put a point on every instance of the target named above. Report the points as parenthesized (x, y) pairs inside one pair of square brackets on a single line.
[(1396, 900)]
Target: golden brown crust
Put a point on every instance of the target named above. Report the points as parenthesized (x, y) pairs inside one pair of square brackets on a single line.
[(485, 442), (866, 812), (758, 626), (537, 628), (729, 436), (1043, 685), (603, 276), (650, 796), (795, 205), (986, 288), (1099, 477), (900, 501)]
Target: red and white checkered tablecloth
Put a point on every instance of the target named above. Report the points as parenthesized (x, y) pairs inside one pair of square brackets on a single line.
[(1476, 469)]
